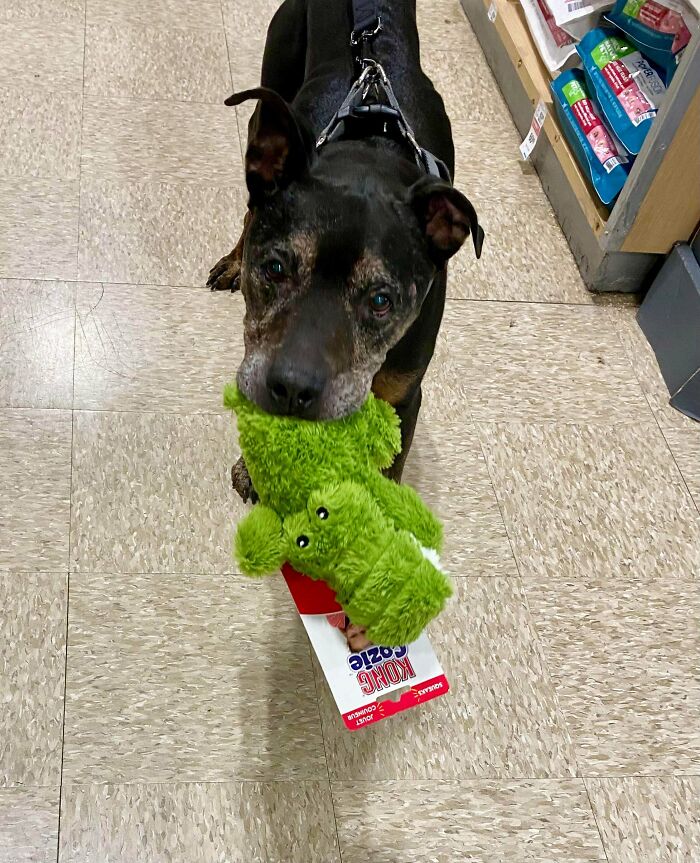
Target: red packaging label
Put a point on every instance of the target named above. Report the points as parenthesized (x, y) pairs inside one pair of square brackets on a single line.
[(617, 75), (561, 37), (586, 116)]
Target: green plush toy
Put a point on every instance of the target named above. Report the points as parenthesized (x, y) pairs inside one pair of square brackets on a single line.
[(327, 509)]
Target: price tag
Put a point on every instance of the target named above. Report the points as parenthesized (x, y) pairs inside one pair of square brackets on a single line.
[(528, 145), (492, 12)]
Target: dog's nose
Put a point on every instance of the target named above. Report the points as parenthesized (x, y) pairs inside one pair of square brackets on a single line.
[(295, 392)]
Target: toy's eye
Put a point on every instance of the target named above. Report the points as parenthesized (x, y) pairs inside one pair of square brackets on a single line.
[(322, 513), (275, 270), (380, 303), (302, 541)]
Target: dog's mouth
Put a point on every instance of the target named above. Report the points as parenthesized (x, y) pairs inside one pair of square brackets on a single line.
[(295, 393)]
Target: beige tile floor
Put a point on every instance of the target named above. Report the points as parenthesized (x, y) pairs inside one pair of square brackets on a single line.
[(157, 708)]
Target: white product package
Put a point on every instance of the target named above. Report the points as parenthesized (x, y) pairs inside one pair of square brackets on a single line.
[(566, 11), (556, 47)]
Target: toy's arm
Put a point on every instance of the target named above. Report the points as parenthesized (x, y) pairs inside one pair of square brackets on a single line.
[(383, 433), (258, 546), (405, 508)]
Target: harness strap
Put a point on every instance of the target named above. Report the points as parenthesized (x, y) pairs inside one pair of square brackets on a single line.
[(367, 24)]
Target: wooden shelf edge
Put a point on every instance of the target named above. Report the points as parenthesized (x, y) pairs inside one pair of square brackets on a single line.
[(515, 37)]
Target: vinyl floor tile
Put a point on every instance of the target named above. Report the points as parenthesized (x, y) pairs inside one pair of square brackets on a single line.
[(61, 10), (36, 343), (182, 14), (152, 493), (161, 141), (648, 820), (623, 654), (524, 362), (44, 53), (156, 233), (143, 347), (40, 133), (685, 446), (32, 663), (644, 361), (169, 64), (246, 31), (28, 825), (38, 227), (476, 821), (500, 718), (447, 468), (466, 85), (34, 489), (239, 822), (187, 678), (585, 501), (443, 25)]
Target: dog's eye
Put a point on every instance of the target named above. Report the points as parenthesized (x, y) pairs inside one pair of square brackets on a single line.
[(322, 513), (302, 541), (380, 303), (274, 270)]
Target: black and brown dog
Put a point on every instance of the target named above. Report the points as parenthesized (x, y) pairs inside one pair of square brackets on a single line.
[(342, 259)]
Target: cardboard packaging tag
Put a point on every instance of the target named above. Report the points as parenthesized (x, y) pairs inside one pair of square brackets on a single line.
[(362, 683)]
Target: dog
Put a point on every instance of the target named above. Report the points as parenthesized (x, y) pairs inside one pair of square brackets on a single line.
[(342, 260)]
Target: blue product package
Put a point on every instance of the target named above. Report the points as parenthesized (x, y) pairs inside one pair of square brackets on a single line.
[(625, 84), (657, 28), (602, 160)]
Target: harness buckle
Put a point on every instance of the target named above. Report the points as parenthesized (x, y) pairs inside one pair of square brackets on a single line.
[(357, 38)]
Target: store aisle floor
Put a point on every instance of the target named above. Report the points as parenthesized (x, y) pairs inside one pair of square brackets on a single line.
[(154, 705)]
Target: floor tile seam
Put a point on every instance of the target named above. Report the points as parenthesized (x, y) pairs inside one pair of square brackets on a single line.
[(696, 501), (66, 649), (475, 781), (186, 412), (202, 287), (655, 414), (595, 820), (233, 83), (111, 283)]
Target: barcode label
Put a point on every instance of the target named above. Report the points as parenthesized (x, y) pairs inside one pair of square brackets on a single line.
[(613, 162), (492, 12), (640, 118), (528, 145), (575, 5)]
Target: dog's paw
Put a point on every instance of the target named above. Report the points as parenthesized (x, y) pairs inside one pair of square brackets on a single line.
[(242, 483), (225, 276)]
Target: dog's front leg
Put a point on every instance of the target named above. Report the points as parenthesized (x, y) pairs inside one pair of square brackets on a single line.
[(225, 275), (242, 483)]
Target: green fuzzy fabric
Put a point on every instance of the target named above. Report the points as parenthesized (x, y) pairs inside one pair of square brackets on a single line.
[(326, 508)]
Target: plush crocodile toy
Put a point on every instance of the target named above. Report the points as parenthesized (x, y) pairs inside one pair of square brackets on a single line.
[(327, 509)]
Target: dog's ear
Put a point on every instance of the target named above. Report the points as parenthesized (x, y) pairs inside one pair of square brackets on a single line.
[(280, 146), (446, 217)]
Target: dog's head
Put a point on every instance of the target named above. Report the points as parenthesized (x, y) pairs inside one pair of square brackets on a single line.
[(339, 256)]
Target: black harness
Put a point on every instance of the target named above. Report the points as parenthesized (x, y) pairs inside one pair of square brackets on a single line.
[(371, 108)]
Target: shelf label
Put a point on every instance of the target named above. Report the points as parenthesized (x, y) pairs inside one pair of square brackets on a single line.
[(492, 12), (528, 145)]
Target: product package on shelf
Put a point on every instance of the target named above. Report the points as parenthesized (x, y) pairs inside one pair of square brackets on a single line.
[(626, 86), (556, 47), (659, 28), (565, 12), (602, 158)]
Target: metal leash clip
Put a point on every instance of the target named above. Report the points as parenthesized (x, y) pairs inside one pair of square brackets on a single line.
[(357, 38)]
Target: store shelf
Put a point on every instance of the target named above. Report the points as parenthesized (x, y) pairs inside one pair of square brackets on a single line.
[(659, 205), (513, 32)]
